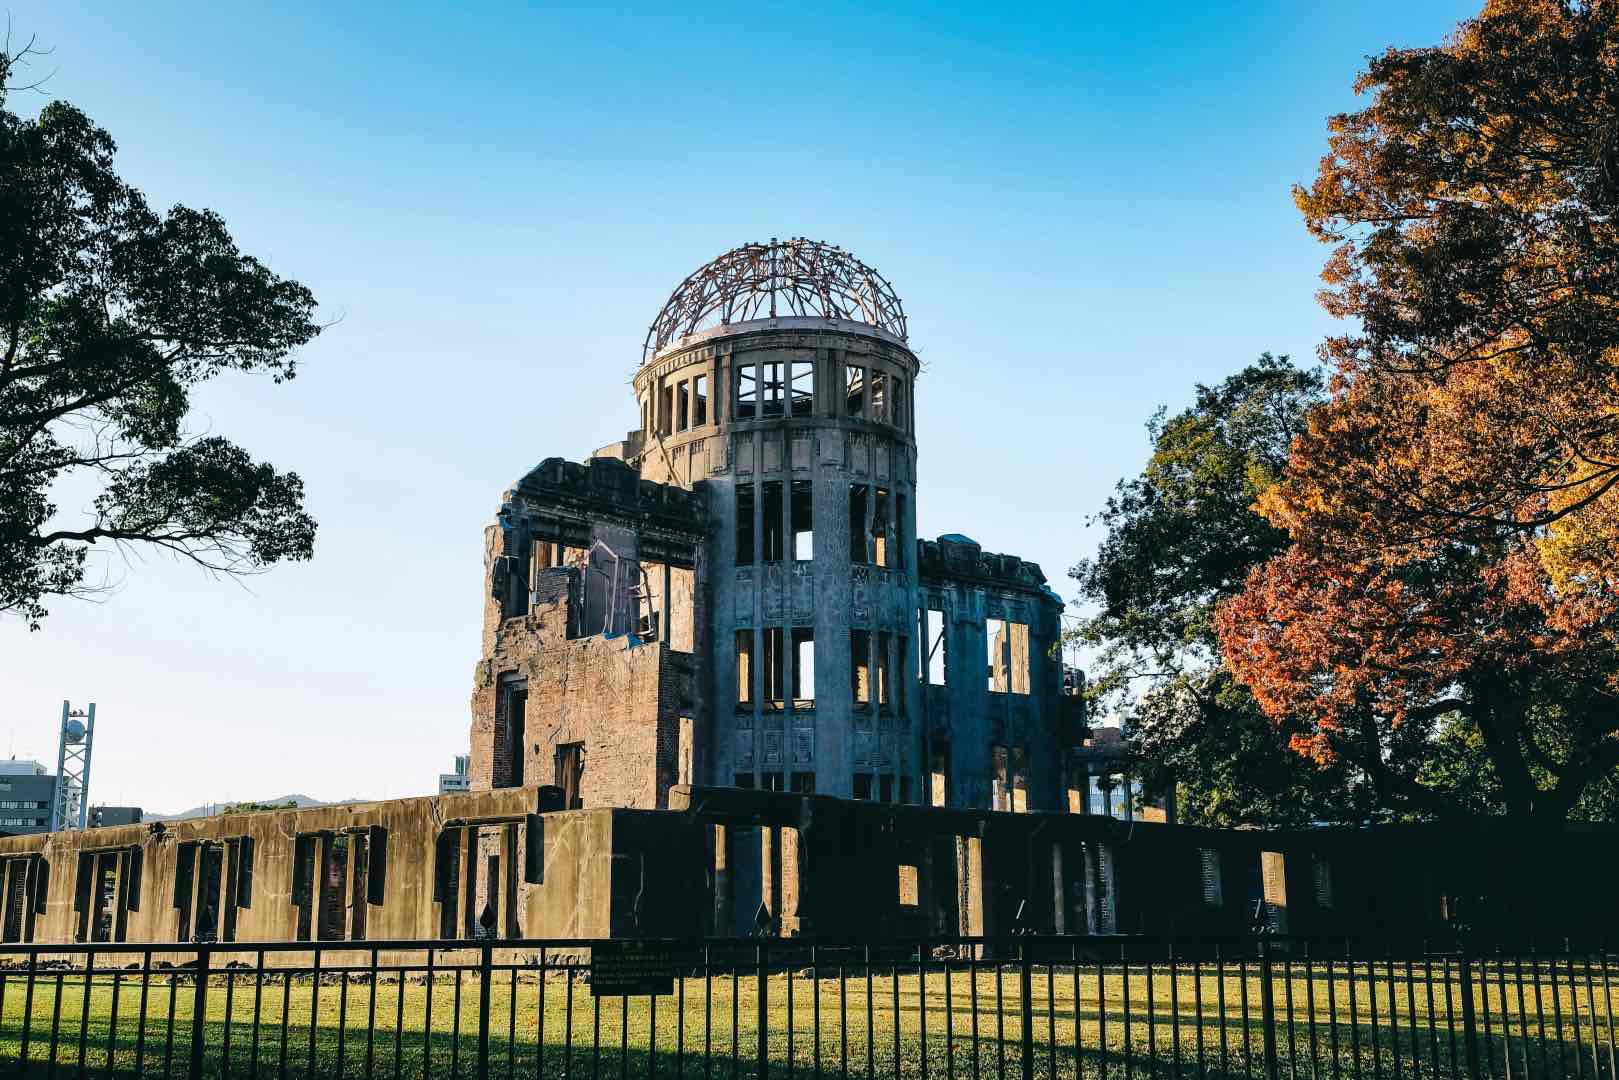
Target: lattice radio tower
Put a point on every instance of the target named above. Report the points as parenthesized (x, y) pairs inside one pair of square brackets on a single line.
[(72, 801)]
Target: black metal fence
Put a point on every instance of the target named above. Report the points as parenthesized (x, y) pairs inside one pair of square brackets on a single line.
[(958, 1007)]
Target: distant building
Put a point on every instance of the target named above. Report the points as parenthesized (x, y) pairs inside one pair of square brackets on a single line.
[(459, 780), (26, 791), (107, 816)]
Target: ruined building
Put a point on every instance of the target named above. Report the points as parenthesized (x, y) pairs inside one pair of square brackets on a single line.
[(724, 689), (734, 594)]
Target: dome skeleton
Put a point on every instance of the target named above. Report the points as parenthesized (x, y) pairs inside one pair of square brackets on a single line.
[(795, 278)]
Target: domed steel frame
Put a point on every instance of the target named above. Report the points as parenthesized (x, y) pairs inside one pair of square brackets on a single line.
[(795, 277)]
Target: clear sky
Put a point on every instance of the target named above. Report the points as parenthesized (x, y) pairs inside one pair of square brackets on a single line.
[(1085, 209)]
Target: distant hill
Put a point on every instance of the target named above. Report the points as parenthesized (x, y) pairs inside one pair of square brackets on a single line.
[(210, 809)]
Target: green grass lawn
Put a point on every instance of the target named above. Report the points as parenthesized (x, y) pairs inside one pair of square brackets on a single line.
[(859, 1024)]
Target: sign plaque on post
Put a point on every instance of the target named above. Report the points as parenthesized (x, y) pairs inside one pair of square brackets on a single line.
[(631, 968)]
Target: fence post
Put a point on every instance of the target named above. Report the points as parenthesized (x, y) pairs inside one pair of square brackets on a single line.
[(486, 959), (763, 1004), (1469, 1021), (1026, 1007), (1267, 1006), (199, 1011)]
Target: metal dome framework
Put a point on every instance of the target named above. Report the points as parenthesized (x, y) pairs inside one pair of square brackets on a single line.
[(796, 277)]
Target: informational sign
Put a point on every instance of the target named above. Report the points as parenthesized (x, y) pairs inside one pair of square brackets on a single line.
[(633, 968)]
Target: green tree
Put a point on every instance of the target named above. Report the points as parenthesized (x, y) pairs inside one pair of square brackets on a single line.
[(256, 807), (1180, 538), (110, 315)]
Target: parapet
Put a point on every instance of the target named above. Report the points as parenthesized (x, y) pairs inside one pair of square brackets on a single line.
[(956, 557)]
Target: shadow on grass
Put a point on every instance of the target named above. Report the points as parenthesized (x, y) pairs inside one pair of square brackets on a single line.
[(449, 1055)]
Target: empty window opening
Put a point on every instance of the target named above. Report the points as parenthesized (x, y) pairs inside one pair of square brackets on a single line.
[(862, 785), (447, 880), (743, 780), (772, 387), (699, 401), (803, 514), (771, 781), (858, 527), (682, 406), (884, 690), (995, 637), (909, 894), (803, 387), (570, 774), (105, 897), (511, 712), (934, 642), (303, 882), (1009, 784), (860, 665), (771, 530), (333, 887), (360, 887), (803, 667), (775, 669), (744, 667), (803, 783), (881, 529), (666, 401), (489, 914), (898, 390), (1208, 866), (879, 396), (1018, 646), (854, 385), (744, 524), (885, 788), (939, 775), (905, 789), (747, 392)]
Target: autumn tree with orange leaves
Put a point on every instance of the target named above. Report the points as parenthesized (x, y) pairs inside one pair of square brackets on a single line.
[(1446, 615)]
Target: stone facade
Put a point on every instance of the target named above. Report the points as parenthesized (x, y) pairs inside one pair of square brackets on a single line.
[(754, 542)]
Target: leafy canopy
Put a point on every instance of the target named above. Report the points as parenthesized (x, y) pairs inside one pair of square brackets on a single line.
[(110, 315), (1181, 537)]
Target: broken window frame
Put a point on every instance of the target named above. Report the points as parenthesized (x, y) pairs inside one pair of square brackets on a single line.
[(801, 387), (877, 405), (747, 393), (860, 667), (745, 688), (745, 538), (773, 542), (801, 509), (666, 394), (1017, 646), (775, 668), (568, 770), (803, 676), (897, 388), (683, 405), (854, 391), (859, 529), (699, 401), (882, 540), (772, 388), (935, 637), (995, 639)]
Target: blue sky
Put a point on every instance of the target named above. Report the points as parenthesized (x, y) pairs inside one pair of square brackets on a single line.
[(1085, 209)]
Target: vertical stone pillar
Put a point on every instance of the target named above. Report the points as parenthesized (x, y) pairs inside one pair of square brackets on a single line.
[(1273, 868), (724, 919), (1059, 903), (794, 880)]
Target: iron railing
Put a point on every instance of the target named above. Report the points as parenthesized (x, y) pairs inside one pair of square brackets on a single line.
[(1024, 1007)]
